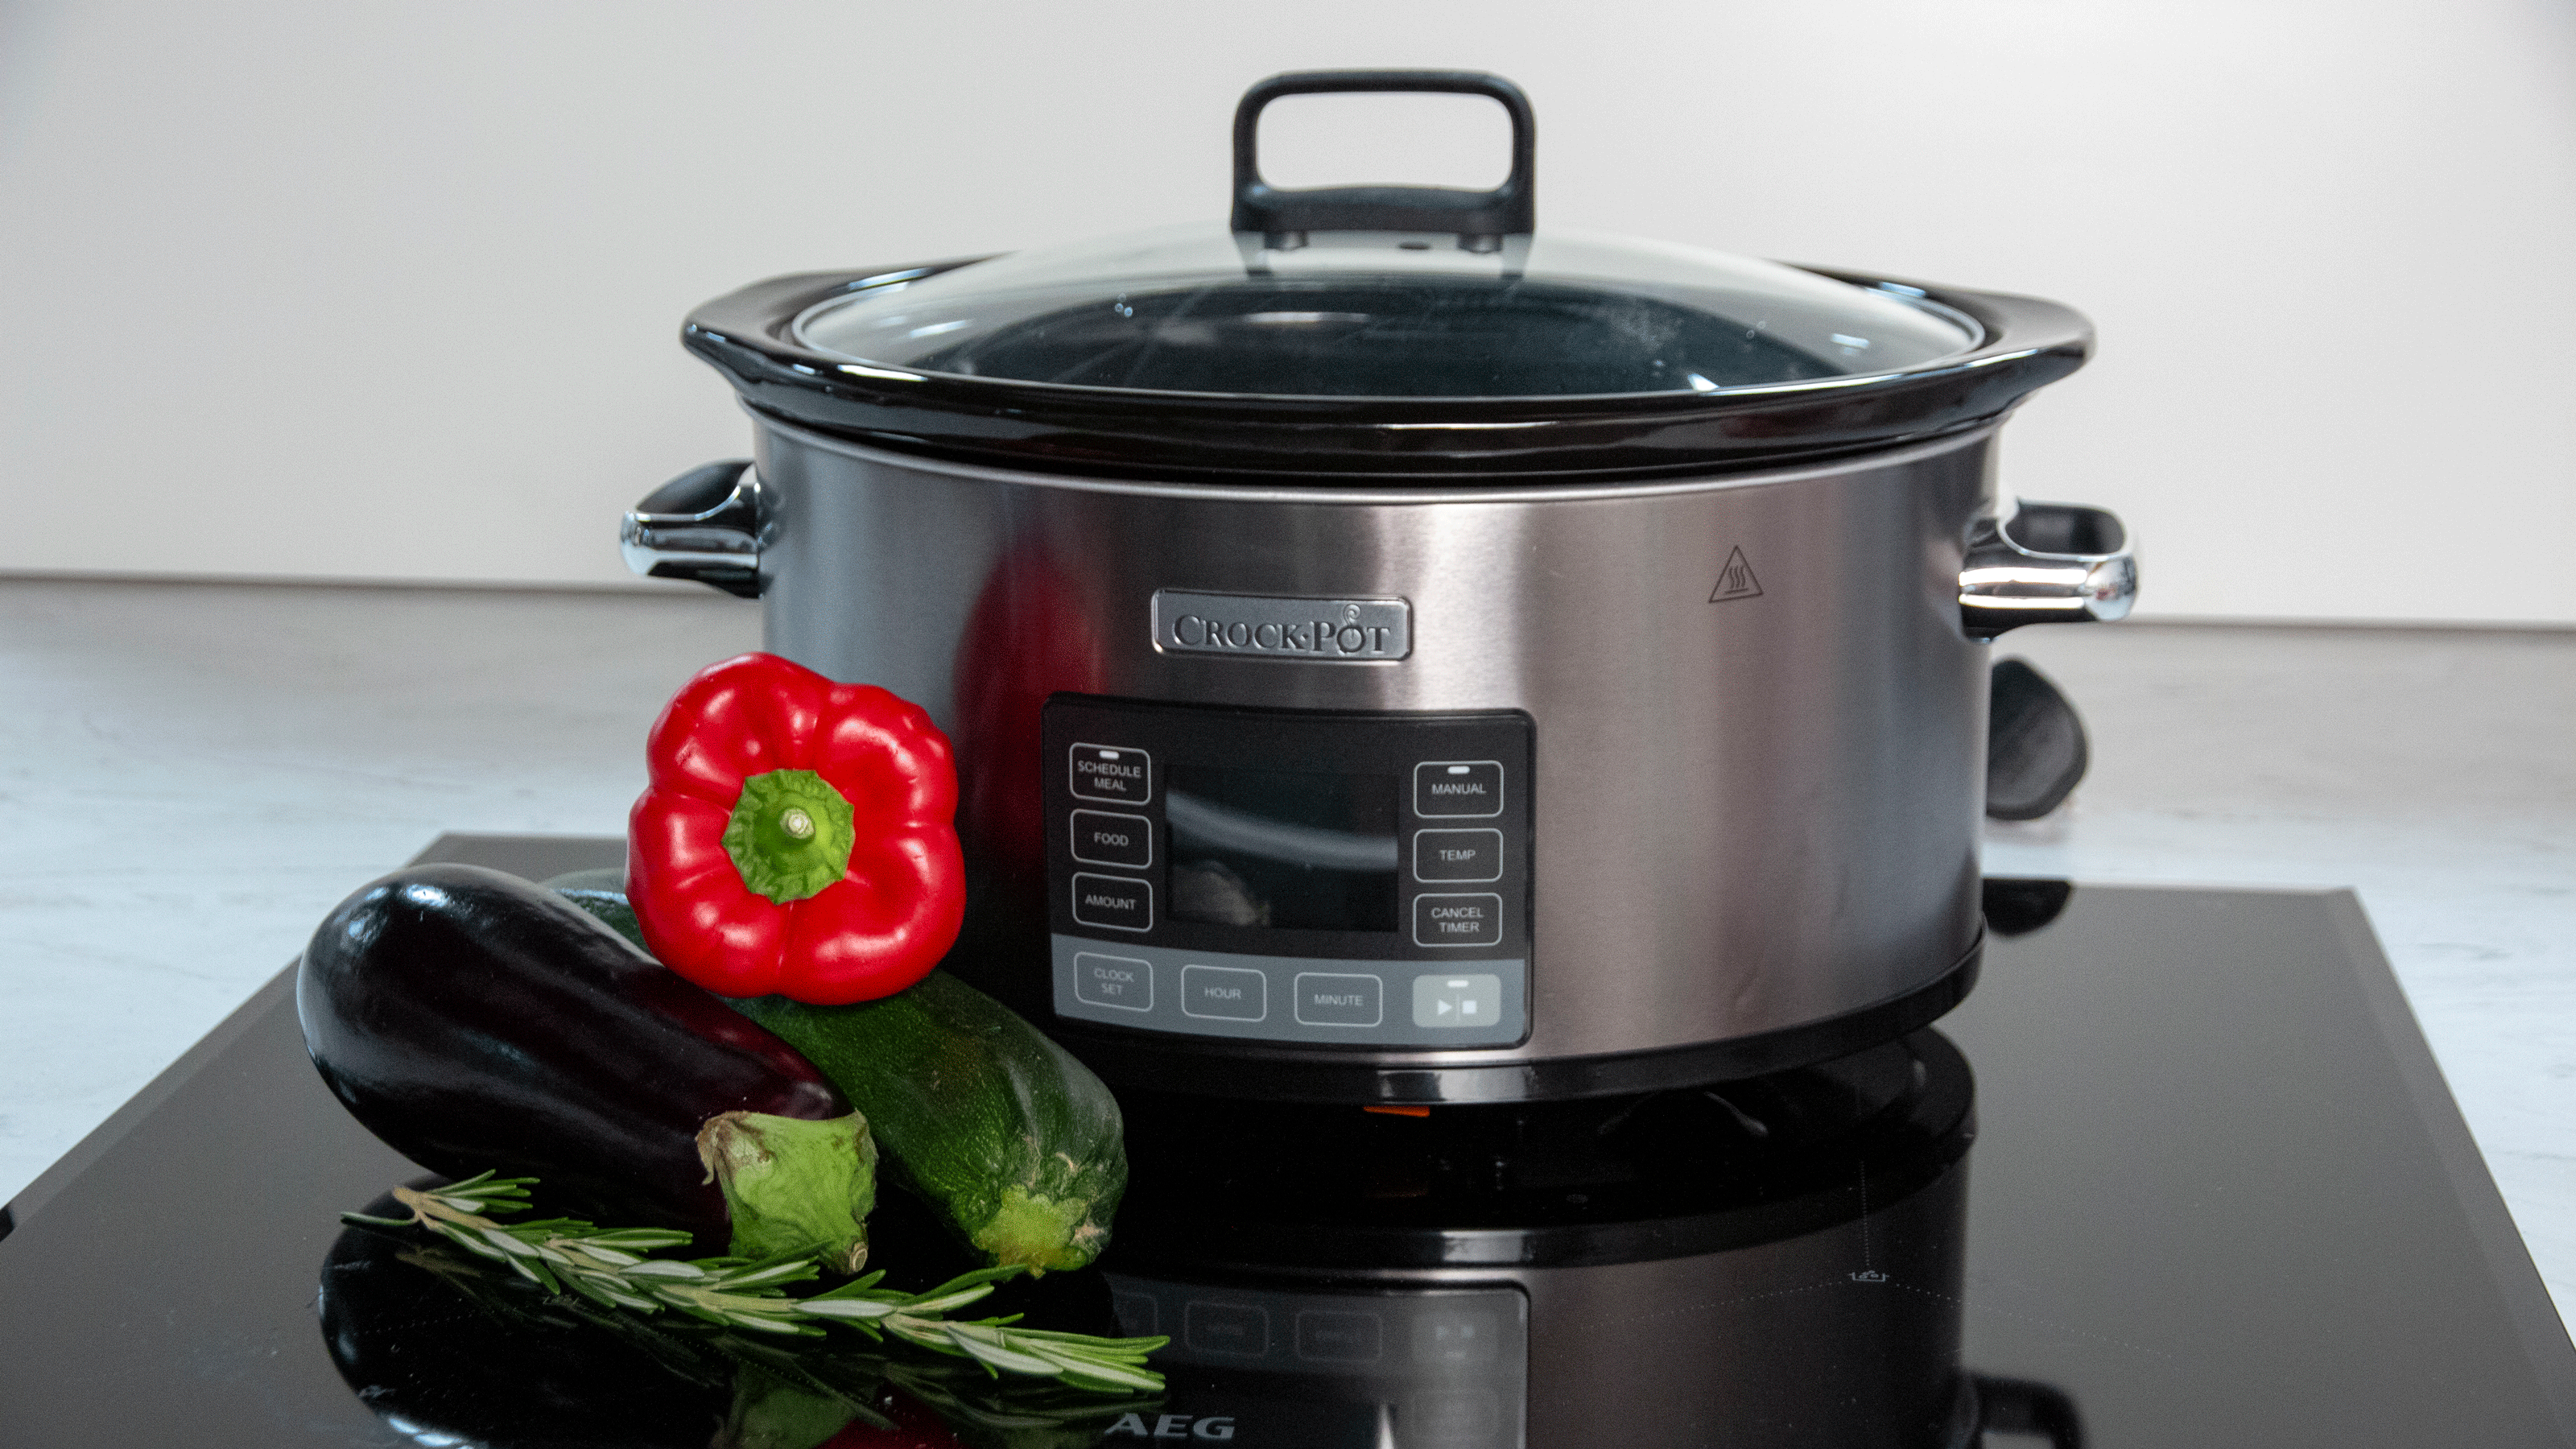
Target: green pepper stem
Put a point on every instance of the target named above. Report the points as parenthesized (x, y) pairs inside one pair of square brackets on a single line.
[(790, 834)]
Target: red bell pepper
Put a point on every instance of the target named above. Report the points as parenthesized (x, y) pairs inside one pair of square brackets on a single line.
[(797, 836)]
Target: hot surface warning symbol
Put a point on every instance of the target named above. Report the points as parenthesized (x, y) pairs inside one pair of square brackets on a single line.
[(1735, 581)]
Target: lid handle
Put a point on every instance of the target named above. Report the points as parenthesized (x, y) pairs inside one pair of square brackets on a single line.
[(1479, 219)]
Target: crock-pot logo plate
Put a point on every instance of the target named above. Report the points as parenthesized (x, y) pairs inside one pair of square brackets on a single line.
[(1323, 631)]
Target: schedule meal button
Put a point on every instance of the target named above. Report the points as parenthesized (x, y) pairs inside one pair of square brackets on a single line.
[(1112, 772)]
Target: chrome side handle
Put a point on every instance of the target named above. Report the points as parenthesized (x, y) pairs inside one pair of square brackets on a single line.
[(708, 524), (2045, 563)]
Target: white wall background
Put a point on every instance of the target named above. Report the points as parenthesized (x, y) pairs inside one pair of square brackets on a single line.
[(308, 289)]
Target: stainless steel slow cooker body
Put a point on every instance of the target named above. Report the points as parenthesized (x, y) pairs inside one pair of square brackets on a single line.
[(1416, 748)]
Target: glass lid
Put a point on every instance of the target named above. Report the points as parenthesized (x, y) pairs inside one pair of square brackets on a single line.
[(1384, 314), (1349, 334)]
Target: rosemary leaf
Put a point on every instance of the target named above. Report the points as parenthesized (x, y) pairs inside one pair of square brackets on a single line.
[(606, 1266)]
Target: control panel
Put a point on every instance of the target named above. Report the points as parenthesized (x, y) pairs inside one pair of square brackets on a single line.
[(1332, 1367), (1296, 876)]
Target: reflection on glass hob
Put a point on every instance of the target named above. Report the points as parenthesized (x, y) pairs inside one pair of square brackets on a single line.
[(2179, 1173)]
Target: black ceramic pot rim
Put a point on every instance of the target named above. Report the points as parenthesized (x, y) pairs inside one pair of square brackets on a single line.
[(1219, 437)]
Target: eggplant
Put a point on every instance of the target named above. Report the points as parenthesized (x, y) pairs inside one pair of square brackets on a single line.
[(473, 1021)]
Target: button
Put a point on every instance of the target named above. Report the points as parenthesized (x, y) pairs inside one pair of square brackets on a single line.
[(1138, 1314), (1113, 901), (1458, 787), (1454, 1337), (1460, 920), (1224, 993), (1327, 998), (1113, 772), (1465, 1000), (1455, 855), (1104, 837), (1336, 1337), (1113, 981), (1241, 1330)]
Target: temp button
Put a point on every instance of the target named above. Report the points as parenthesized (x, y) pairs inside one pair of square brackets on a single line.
[(1468, 788), (1456, 855)]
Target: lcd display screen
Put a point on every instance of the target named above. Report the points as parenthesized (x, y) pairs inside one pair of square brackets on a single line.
[(1283, 849)]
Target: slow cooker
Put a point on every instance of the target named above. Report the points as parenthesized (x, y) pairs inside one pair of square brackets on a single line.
[(1397, 654)]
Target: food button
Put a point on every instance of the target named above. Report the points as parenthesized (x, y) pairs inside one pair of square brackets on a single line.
[(1456, 920), (1457, 855), (1328, 998), (1113, 772), (1113, 901), (1224, 993), (1113, 981), (1105, 837), (1458, 787)]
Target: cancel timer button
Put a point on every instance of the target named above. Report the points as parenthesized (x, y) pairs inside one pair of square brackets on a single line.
[(1458, 920)]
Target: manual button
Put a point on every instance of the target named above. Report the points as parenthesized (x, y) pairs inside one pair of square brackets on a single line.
[(1458, 787), (1457, 920), (1112, 772)]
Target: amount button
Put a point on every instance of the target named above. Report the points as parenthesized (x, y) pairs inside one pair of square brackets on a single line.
[(1113, 901)]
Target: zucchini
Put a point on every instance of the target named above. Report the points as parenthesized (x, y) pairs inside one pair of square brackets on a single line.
[(1014, 1142), (1016, 1145), (602, 895)]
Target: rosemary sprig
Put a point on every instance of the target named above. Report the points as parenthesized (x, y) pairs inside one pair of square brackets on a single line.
[(609, 1267)]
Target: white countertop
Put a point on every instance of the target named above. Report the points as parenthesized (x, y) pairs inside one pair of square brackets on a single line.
[(192, 775)]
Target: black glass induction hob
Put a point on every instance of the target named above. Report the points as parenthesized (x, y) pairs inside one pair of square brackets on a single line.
[(2180, 1172)]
